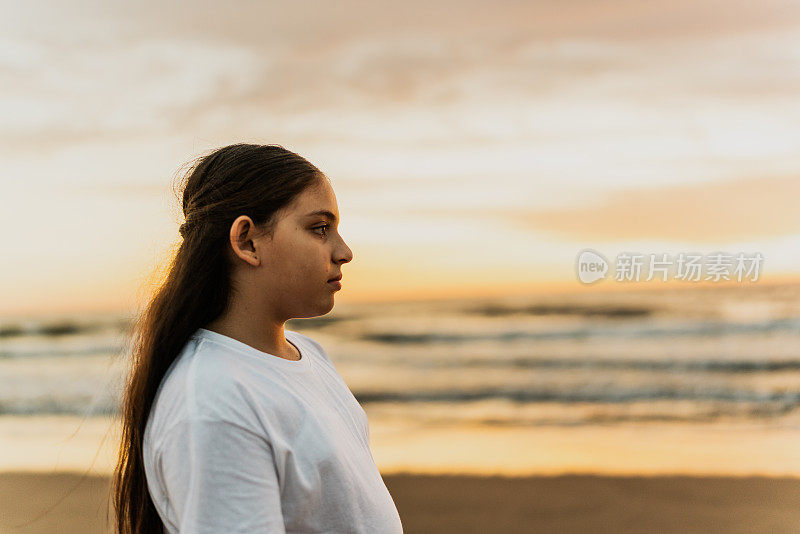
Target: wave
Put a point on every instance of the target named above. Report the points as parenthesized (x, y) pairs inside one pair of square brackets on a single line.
[(662, 364), (497, 310), (604, 406), (712, 415), (91, 349), (68, 327), (614, 394), (60, 328), (55, 406), (700, 329)]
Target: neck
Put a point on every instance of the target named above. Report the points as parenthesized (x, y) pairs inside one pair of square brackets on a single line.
[(251, 329)]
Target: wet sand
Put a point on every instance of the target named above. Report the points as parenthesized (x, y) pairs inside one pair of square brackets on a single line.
[(463, 504), (48, 444)]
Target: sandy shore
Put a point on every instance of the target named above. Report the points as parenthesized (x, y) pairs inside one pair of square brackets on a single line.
[(50, 444), (68, 503), (633, 478)]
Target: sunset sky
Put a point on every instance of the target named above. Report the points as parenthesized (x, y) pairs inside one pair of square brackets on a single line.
[(474, 147)]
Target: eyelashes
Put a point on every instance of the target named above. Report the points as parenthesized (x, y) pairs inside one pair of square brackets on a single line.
[(323, 227)]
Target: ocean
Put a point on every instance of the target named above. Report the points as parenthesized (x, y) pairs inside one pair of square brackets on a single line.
[(692, 354)]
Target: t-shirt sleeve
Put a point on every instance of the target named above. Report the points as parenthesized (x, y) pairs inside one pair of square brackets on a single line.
[(220, 477)]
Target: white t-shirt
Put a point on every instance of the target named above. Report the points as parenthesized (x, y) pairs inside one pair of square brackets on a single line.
[(239, 440)]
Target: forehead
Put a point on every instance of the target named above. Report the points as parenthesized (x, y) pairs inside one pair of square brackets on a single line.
[(317, 201)]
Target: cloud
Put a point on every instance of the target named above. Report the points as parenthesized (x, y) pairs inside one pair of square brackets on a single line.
[(721, 212), (85, 92), (492, 73)]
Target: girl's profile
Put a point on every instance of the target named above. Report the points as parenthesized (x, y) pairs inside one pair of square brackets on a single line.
[(230, 421)]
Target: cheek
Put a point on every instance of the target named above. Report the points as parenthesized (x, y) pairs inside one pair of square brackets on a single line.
[(297, 262), (297, 247)]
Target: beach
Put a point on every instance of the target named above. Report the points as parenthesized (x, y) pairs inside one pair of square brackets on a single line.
[(464, 504), (568, 241), (613, 478), (639, 412)]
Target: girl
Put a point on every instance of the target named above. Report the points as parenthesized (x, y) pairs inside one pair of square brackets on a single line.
[(230, 422)]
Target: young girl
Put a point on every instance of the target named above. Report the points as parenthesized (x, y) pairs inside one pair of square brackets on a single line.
[(230, 422)]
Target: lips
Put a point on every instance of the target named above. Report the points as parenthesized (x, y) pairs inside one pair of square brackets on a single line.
[(335, 279)]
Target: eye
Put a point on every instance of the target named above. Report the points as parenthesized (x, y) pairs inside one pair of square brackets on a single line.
[(324, 227)]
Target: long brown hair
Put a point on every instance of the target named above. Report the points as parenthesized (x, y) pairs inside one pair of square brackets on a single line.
[(241, 179)]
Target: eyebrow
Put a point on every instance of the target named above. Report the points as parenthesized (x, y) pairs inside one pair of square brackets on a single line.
[(325, 213)]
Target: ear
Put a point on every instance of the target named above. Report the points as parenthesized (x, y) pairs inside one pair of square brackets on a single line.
[(241, 238)]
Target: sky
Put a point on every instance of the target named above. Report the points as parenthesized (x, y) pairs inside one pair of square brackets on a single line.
[(475, 147)]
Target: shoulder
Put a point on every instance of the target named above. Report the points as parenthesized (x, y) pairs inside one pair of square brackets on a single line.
[(210, 383), (213, 369)]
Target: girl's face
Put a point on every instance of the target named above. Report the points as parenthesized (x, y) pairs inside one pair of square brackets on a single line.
[(304, 253)]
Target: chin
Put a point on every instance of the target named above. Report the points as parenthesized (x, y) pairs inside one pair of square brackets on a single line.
[(328, 306), (321, 308)]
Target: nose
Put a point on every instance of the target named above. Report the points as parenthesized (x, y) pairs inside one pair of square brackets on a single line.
[(343, 253)]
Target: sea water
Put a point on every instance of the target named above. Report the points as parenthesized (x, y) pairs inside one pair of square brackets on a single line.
[(583, 359)]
